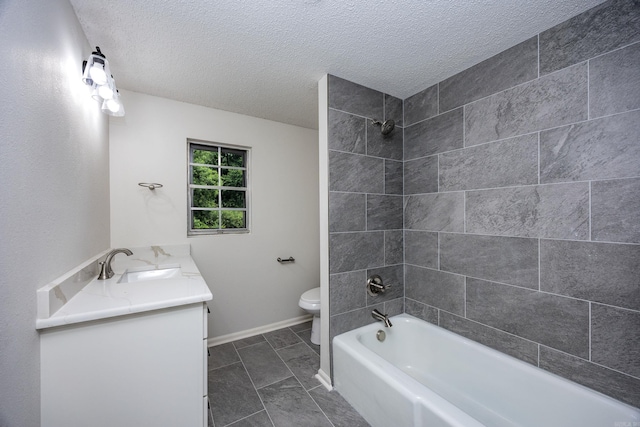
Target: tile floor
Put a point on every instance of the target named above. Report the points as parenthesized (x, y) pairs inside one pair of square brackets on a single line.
[(268, 380)]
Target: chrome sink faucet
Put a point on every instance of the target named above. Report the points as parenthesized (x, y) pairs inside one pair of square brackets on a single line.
[(382, 317), (105, 266)]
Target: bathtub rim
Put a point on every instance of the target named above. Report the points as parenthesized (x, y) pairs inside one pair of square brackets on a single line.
[(353, 337)]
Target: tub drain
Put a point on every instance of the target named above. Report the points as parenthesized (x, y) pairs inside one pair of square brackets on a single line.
[(381, 335)]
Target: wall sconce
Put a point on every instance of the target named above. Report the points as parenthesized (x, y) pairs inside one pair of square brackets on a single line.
[(96, 73)]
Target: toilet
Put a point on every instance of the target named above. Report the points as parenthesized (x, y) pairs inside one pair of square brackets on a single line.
[(310, 302)]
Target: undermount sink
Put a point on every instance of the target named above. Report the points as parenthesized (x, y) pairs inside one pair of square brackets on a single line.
[(151, 274)]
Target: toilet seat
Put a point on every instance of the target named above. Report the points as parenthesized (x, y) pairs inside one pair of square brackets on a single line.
[(310, 300)]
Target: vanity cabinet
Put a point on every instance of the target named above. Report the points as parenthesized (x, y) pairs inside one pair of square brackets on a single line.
[(144, 369)]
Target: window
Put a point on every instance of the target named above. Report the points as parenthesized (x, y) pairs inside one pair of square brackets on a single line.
[(218, 188)]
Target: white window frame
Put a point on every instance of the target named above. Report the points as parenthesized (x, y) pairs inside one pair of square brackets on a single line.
[(190, 186)]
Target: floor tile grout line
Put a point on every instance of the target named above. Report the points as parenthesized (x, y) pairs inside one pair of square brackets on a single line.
[(244, 418), (254, 386), (303, 388), (288, 367), (320, 408)]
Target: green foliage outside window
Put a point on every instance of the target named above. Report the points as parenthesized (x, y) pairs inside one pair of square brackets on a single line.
[(218, 181)]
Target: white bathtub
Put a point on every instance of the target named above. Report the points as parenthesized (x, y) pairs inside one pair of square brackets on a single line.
[(426, 376)]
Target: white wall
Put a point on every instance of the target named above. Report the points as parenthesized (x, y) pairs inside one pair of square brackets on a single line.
[(54, 185), (250, 288)]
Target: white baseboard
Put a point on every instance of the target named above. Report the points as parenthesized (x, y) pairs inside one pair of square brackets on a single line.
[(223, 339), (324, 379)]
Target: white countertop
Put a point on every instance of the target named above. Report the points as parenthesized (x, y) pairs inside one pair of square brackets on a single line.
[(101, 299)]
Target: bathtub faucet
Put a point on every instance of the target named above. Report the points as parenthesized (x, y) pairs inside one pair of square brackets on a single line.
[(381, 317)]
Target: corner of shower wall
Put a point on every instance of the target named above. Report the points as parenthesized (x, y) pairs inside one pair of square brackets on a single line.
[(365, 204)]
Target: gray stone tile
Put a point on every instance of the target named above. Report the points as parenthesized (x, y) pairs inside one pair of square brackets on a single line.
[(615, 210), (435, 212), (441, 133), (388, 146), (615, 338), (598, 149), (355, 251), (384, 212), (347, 291), (421, 311), (338, 410), (263, 364), (393, 247), (246, 342), (420, 106), (346, 132), (393, 109), (393, 276), (605, 27), (606, 381), (355, 173), (507, 69), (259, 419), (558, 322), (393, 177), (421, 175), (554, 100), (512, 260), (499, 164), (435, 288), (494, 338), (306, 337), (559, 211), (347, 211), (231, 394), (394, 307), (351, 320), (303, 362), (421, 248), (354, 98), (301, 327), (282, 338), (222, 355), (289, 405), (614, 82), (601, 272)]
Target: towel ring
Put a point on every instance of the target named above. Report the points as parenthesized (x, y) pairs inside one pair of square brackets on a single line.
[(150, 185)]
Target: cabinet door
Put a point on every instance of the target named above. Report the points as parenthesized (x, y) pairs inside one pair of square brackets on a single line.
[(136, 370)]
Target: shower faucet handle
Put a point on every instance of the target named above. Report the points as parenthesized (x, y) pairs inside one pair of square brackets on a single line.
[(375, 285)]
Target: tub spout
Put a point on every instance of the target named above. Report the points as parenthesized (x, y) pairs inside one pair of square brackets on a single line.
[(382, 317)]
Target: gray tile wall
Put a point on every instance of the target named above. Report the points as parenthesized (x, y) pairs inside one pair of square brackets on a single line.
[(522, 201), (365, 204), (518, 186)]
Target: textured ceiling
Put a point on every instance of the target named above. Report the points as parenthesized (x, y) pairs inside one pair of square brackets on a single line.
[(264, 58)]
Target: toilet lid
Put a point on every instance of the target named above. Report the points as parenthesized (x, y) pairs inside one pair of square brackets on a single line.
[(312, 296)]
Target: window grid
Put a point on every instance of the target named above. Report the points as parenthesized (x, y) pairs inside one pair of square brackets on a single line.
[(222, 154)]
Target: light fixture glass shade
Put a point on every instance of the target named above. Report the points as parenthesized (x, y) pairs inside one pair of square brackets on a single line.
[(96, 73), (107, 90), (113, 106), (96, 69)]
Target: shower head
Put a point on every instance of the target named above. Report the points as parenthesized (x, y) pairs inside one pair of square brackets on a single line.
[(386, 127)]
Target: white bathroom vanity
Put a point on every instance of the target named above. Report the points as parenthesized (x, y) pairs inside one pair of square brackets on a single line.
[(127, 351)]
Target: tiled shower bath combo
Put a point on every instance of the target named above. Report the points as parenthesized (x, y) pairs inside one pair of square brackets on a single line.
[(504, 206)]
